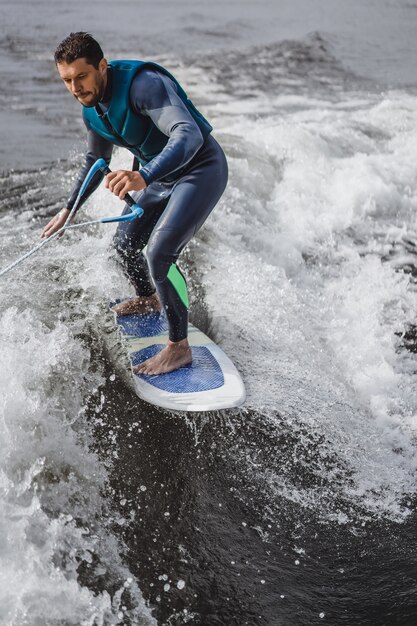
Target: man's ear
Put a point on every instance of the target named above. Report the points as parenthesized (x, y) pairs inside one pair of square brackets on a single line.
[(102, 66)]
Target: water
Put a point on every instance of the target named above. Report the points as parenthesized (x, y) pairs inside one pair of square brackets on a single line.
[(300, 507)]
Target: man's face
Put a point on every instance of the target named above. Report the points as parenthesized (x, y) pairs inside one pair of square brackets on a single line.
[(84, 81)]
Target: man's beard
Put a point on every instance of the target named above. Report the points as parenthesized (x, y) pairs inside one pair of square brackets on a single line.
[(90, 103), (96, 97)]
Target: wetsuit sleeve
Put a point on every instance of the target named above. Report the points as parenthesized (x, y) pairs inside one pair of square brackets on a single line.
[(155, 95), (97, 148)]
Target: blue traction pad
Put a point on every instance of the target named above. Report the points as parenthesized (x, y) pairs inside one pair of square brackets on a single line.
[(203, 374), (144, 325)]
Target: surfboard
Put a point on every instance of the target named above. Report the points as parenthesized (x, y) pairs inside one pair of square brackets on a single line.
[(209, 383)]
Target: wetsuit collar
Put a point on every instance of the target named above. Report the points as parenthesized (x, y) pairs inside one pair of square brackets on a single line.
[(108, 90)]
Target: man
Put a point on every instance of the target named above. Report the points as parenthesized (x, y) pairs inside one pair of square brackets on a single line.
[(183, 173)]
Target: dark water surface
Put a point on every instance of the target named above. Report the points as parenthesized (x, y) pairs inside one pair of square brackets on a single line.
[(202, 520)]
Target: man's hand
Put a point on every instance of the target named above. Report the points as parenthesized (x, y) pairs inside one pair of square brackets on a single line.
[(120, 182), (55, 223)]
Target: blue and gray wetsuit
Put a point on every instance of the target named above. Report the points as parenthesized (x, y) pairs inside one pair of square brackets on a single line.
[(185, 180)]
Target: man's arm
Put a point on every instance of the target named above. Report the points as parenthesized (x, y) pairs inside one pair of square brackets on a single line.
[(97, 147), (154, 94)]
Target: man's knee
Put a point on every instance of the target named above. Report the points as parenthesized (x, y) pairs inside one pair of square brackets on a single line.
[(158, 262), (122, 244)]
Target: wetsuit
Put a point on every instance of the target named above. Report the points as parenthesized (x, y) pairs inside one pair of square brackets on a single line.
[(184, 182)]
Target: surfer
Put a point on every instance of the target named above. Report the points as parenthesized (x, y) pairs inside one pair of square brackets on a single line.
[(141, 106)]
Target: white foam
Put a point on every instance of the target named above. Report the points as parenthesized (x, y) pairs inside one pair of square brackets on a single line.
[(331, 185), (54, 516)]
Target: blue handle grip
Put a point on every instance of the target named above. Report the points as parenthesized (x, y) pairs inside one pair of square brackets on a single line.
[(137, 211), (98, 165)]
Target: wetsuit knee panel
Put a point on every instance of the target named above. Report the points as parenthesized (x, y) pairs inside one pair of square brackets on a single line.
[(161, 252), (159, 264), (162, 267), (122, 242)]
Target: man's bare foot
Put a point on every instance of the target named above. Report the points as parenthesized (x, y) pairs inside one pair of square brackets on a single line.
[(138, 305), (172, 357)]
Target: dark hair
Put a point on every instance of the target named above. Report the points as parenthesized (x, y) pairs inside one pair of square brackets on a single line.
[(79, 46)]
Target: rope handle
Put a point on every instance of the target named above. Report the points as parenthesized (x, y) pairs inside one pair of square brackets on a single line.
[(99, 165)]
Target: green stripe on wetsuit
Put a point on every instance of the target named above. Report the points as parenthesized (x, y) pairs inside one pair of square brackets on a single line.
[(177, 280)]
